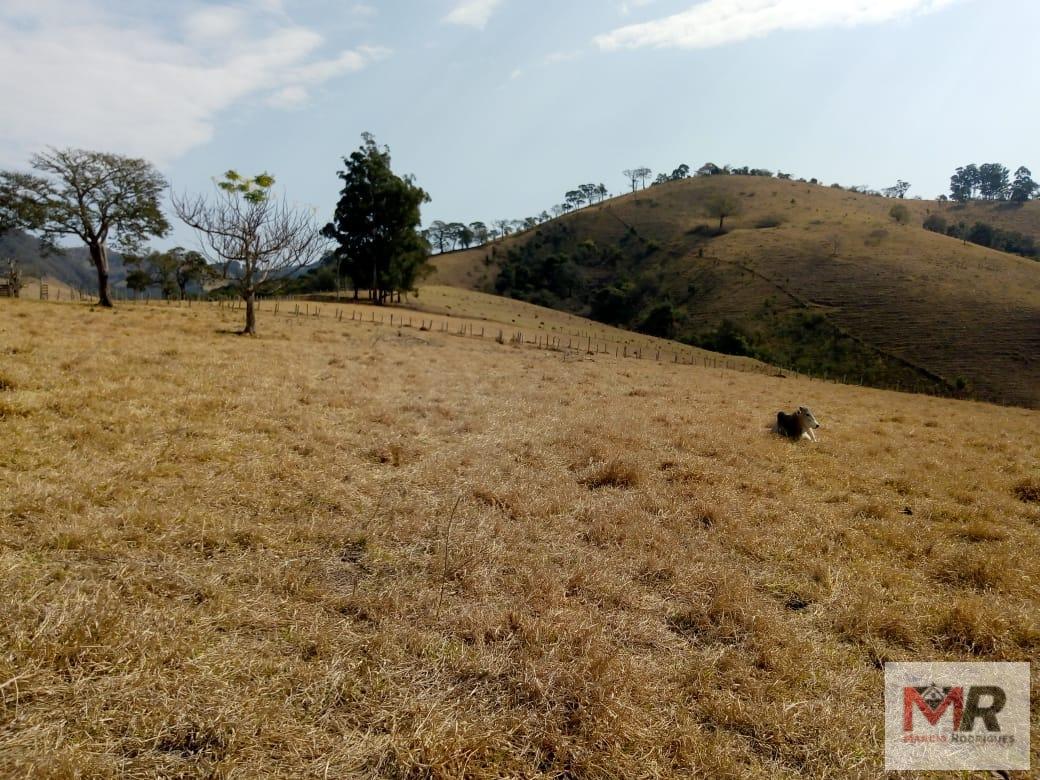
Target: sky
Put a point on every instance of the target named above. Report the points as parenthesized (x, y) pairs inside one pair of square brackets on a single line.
[(498, 107)]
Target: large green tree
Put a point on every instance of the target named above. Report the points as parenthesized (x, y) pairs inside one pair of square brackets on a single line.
[(376, 224), (1023, 188), (253, 236), (93, 196)]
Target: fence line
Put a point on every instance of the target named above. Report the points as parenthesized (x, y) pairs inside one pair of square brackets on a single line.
[(580, 342)]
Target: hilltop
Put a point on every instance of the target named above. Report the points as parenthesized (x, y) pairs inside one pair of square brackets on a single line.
[(814, 277), (349, 548)]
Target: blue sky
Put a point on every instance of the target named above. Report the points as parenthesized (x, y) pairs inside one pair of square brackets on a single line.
[(500, 106)]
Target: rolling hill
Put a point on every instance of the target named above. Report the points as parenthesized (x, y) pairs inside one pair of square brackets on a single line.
[(814, 277)]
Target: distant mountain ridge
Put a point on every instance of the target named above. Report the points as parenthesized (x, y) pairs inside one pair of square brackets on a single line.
[(72, 266)]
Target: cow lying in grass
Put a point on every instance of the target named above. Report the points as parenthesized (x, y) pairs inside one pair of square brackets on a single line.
[(799, 425)]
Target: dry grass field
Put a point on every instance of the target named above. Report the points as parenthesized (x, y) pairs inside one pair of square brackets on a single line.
[(956, 309), (495, 314), (348, 549)]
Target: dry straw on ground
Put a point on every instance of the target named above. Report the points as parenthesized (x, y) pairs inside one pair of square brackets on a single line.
[(224, 557)]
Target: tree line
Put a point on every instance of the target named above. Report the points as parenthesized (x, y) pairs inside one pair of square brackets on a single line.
[(251, 239), (451, 236), (992, 181)]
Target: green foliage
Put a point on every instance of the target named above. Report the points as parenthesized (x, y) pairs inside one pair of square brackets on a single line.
[(376, 224), (254, 190), (94, 197), (661, 321), (138, 280), (900, 213), (728, 338), (984, 234), (723, 205), (992, 181), (172, 271), (935, 223)]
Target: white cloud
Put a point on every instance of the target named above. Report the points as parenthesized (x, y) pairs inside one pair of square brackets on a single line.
[(472, 13), (560, 56), (288, 97), (215, 22), (719, 22), (628, 6), (75, 74)]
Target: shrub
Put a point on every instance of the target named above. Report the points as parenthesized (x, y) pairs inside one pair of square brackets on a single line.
[(771, 221), (935, 223), (900, 213), (875, 237)]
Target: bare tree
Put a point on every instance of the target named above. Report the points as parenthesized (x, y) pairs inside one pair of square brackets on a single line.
[(632, 174), (250, 234)]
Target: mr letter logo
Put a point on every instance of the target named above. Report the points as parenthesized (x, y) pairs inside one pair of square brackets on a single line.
[(933, 702), (956, 716)]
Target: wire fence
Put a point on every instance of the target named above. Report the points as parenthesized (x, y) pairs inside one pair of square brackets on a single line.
[(573, 344)]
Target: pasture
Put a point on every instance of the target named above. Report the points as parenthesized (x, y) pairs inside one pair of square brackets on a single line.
[(349, 549)]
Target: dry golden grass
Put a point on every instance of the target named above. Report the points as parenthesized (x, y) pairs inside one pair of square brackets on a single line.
[(231, 557)]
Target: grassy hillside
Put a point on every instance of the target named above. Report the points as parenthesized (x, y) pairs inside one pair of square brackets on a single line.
[(351, 549), (806, 275)]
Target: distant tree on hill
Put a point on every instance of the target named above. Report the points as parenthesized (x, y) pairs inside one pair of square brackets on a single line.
[(900, 214), (253, 236), (662, 178), (682, 172), (601, 191), (723, 205), (964, 184), (1023, 188), (575, 199), (632, 174), (463, 235), (991, 181), (588, 192), (709, 169), (898, 190), (479, 231), (994, 181), (437, 234), (92, 196), (643, 174)]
